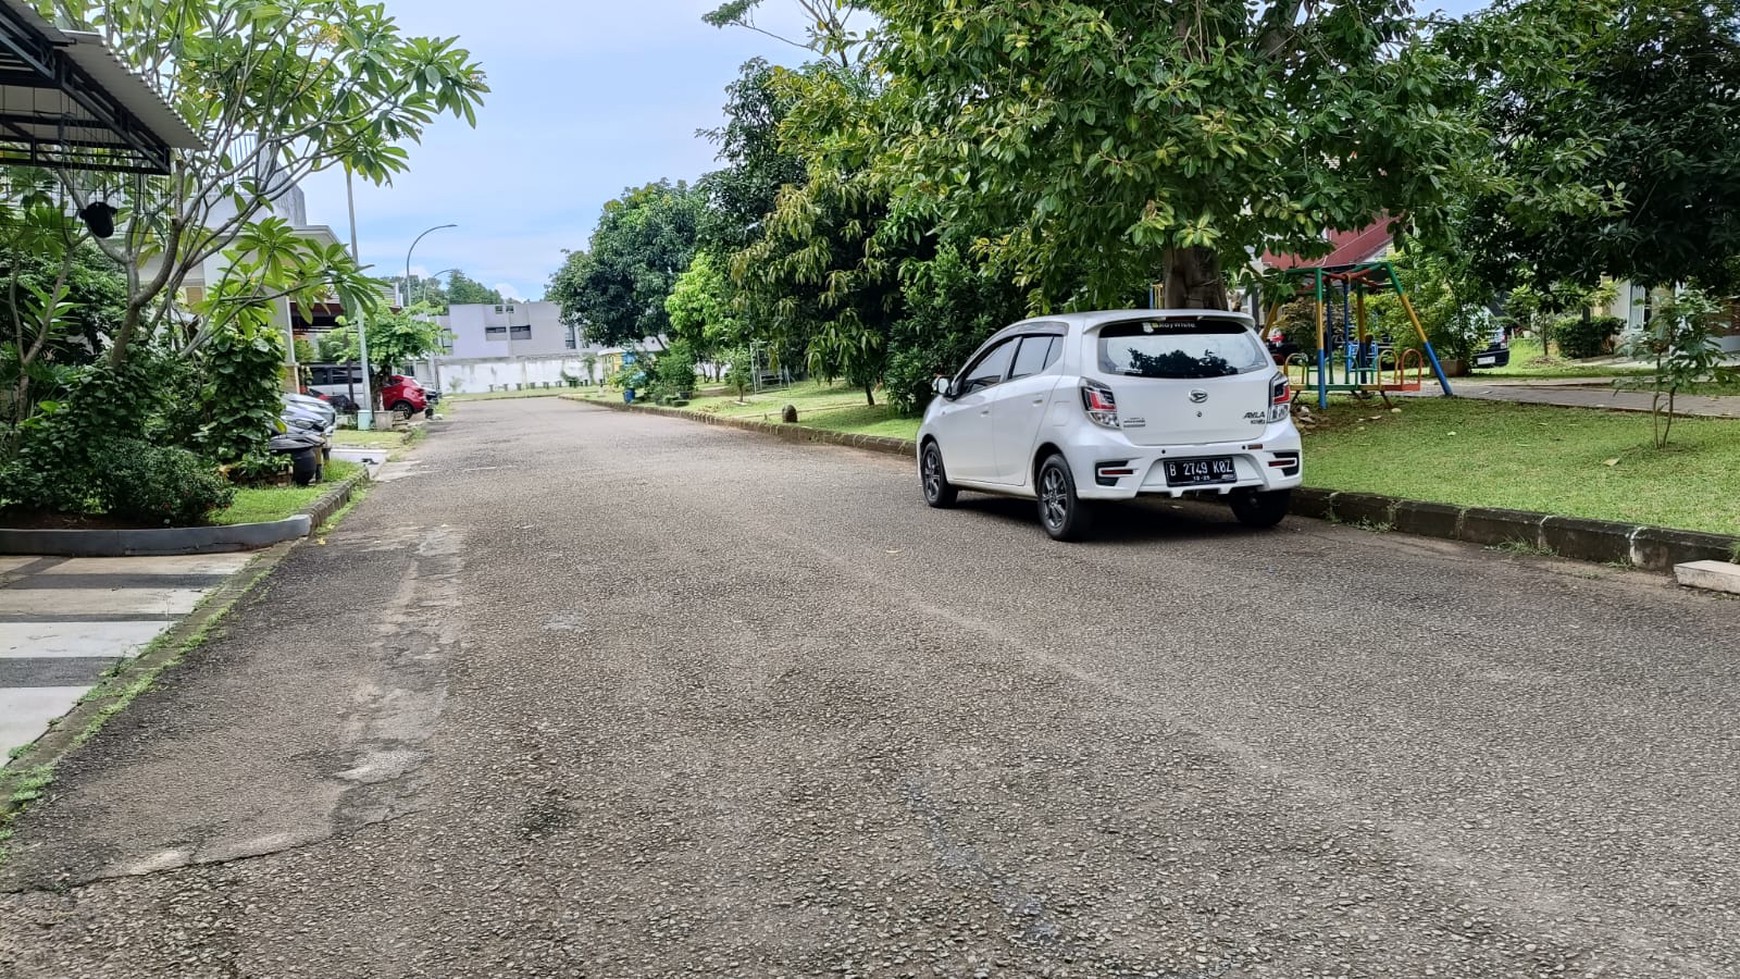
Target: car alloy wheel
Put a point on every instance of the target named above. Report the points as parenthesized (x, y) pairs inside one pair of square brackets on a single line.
[(937, 491), (1063, 514)]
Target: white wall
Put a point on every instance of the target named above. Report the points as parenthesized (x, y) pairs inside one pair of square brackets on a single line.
[(522, 330), (460, 375)]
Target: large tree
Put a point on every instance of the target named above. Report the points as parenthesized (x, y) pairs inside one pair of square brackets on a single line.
[(1163, 140), (616, 289), (276, 91), (1613, 135)]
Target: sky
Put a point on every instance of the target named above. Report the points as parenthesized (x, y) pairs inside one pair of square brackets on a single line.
[(588, 97)]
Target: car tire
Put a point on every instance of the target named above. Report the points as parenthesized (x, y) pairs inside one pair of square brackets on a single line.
[(1064, 515), (1261, 510), (934, 479), (404, 407)]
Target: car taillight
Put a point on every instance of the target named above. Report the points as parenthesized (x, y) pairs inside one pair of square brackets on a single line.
[(1280, 397), (1100, 405)]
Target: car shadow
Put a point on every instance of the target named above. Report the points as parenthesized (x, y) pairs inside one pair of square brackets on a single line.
[(1126, 522)]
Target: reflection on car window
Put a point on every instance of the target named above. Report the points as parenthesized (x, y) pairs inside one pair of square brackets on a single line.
[(990, 368), (1206, 347), (1034, 356)]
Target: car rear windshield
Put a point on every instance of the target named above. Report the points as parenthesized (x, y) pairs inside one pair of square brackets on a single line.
[(1207, 347)]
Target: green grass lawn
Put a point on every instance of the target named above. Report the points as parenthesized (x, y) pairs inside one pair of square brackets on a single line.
[(1526, 364), (278, 502), (350, 438), (549, 392), (1571, 461), (834, 408)]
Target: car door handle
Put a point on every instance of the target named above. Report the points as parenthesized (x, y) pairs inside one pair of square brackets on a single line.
[(1038, 401)]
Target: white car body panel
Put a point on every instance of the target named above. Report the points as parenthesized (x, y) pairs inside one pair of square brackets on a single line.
[(994, 438)]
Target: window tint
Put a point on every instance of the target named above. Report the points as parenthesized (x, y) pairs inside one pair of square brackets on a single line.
[(1035, 355), (990, 368), (1205, 347)]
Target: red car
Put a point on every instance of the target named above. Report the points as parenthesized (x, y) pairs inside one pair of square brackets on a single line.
[(404, 393)]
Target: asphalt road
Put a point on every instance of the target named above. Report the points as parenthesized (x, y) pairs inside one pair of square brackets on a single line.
[(593, 694)]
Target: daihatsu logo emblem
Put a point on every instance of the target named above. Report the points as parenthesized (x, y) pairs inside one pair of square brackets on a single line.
[(1198, 396)]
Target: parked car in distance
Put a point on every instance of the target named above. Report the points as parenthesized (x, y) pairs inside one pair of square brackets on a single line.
[(403, 393), (338, 384), (1071, 409)]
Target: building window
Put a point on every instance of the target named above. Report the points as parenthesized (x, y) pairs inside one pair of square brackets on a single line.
[(569, 341), (495, 333), (522, 332)]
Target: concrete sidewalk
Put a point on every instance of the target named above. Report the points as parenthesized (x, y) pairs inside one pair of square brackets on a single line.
[(1584, 393), (64, 622)]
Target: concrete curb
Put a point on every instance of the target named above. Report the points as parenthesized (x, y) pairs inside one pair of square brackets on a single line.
[(790, 433), (1650, 548), (177, 540)]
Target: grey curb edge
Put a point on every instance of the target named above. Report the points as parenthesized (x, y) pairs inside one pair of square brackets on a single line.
[(177, 540), (1650, 548)]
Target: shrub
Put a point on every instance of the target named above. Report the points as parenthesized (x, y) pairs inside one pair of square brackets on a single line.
[(159, 484), (1579, 338)]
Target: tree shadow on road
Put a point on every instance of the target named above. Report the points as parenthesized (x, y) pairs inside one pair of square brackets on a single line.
[(1127, 523)]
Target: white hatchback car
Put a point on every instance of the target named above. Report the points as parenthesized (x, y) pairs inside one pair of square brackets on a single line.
[(1108, 405)]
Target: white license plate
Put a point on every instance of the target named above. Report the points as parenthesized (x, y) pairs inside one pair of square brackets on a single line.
[(1199, 472)]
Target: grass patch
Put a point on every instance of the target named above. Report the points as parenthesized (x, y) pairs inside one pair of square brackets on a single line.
[(350, 438), (277, 502), (549, 392), (1567, 461), (1526, 364), (829, 407)]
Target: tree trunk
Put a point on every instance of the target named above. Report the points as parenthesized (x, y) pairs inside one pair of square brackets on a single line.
[(1194, 280), (870, 395)]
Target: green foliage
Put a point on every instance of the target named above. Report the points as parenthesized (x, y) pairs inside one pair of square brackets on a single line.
[(1581, 337), (1612, 140), (1107, 143), (953, 303), (58, 450), (617, 288), (241, 379), (275, 92), (395, 341), (1680, 341), (756, 168), (673, 372), (160, 484), (701, 308), (741, 374)]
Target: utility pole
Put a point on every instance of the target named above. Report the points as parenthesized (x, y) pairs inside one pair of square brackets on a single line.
[(365, 411)]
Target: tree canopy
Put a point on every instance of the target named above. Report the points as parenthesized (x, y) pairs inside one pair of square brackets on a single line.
[(1164, 139), (1613, 131), (616, 289)]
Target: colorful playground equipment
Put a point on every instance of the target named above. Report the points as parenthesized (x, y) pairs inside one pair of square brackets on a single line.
[(1348, 358)]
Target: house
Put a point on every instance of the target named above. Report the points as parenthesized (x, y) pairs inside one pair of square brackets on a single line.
[(516, 329)]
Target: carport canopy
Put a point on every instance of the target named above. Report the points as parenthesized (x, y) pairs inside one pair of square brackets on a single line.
[(67, 103)]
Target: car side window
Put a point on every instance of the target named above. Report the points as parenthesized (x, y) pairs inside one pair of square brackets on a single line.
[(1035, 355), (989, 369)]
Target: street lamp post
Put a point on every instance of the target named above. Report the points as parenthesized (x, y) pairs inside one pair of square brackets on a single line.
[(433, 276), (406, 301), (365, 409)]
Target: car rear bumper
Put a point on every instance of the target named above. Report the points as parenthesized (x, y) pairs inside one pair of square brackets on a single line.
[(1270, 461)]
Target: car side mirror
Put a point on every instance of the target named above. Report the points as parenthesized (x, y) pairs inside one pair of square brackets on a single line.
[(941, 385)]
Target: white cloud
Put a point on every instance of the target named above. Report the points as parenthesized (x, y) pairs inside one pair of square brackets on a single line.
[(587, 98)]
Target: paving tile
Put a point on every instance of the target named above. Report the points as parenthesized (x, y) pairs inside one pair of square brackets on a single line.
[(98, 601), (52, 671), (25, 713), (181, 564), (75, 639), (9, 564)]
